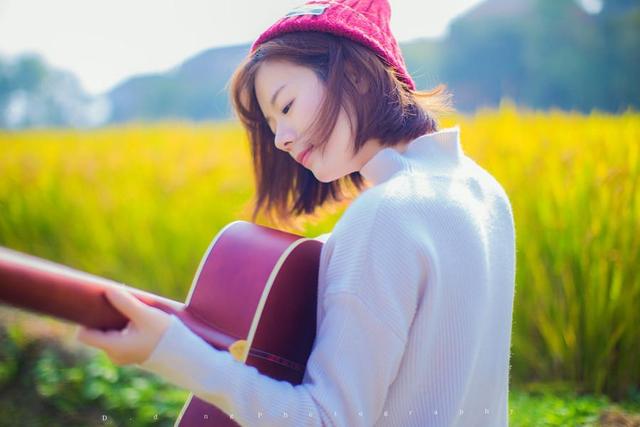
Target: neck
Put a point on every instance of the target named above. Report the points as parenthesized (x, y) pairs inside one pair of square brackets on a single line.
[(373, 146), (402, 146)]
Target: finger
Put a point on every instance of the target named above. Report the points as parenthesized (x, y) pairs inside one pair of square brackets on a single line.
[(125, 303), (95, 337)]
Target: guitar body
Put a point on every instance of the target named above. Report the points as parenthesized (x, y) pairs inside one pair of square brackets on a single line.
[(254, 294), (263, 296)]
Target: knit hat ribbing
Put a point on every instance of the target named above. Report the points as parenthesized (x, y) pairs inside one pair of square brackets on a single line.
[(363, 21)]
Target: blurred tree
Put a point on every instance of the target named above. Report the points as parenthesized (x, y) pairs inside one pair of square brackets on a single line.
[(29, 73), (483, 61), (569, 54), (545, 53), (619, 27), (33, 94)]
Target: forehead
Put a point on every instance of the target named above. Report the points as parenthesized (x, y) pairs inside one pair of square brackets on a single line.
[(271, 75)]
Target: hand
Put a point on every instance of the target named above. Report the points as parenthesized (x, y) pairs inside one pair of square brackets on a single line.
[(134, 343)]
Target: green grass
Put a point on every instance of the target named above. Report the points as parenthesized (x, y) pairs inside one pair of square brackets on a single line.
[(43, 383), (549, 404), (139, 204)]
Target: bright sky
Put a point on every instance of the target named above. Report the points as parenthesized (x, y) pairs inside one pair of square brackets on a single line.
[(104, 42)]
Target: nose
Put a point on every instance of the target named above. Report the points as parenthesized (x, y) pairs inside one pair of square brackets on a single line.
[(284, 137)]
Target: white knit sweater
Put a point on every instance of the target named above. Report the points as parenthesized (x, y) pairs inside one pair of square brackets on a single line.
[(415, 297)]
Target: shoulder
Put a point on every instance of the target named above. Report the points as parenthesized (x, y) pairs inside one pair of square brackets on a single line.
[(404, 199), (375, 211), (392, 218), (422, 209)]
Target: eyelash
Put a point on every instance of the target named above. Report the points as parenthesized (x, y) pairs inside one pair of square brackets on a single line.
[(287, 106)]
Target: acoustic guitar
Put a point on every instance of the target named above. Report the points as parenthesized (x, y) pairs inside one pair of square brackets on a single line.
[(254, 294)]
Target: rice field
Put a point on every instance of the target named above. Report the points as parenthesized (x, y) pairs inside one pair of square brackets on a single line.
[(140, 203)]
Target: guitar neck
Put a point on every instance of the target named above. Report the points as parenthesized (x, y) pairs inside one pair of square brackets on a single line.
[(53, 289)]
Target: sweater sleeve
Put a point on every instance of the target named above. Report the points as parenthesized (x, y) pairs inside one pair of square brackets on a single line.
[(374, 273), (354, 359)]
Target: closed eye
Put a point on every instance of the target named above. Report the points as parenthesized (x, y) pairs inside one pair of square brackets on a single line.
[(287, 108)]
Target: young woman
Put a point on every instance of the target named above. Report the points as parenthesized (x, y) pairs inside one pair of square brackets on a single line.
[(416, 279)]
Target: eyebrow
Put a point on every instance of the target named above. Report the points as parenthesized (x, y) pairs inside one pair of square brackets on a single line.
[(273, 99)]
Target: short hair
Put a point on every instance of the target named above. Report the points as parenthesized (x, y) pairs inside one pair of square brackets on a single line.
[(390, 111)]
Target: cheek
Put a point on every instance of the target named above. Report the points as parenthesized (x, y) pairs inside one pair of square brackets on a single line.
[(342, 137), (306, 111), (337, 160)]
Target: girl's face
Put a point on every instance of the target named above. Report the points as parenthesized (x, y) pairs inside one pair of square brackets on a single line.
[(296, 93)]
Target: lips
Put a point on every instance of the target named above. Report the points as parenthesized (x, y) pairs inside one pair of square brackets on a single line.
[(301, 156)]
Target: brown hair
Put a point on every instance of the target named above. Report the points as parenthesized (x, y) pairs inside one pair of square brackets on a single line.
[(389, 111)]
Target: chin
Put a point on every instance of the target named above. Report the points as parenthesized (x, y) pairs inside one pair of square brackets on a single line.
[(325, 177), (321, 178)]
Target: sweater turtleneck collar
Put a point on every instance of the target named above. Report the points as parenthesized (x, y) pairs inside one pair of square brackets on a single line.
[(433, 152)]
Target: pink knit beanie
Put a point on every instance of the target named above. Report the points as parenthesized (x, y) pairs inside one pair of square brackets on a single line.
[(363, 21)]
